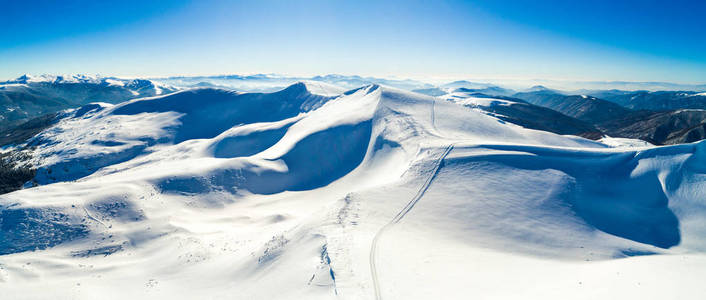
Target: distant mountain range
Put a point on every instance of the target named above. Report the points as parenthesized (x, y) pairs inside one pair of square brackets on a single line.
[(658, 117), (525, 114), (585, 108), (273, 82), (27, 97), (660, 100)]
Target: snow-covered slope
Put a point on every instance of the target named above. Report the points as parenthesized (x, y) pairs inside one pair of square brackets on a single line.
[(375, 192), (527, 115)]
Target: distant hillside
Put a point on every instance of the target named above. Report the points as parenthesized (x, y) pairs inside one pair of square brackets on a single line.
[(28, 97), (657, 101), (527, 115), (658, 127), (586, 108), (434, 92)]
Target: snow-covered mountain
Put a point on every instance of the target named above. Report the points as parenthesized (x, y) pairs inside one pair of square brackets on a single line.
[(29, 96), (522, 113), (275, 82), (371, 193)]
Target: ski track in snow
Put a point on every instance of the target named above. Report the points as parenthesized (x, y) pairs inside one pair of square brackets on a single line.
[(398, 217), (406, 208)]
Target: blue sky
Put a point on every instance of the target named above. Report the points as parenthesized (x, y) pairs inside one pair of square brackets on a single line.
[(573, 40)]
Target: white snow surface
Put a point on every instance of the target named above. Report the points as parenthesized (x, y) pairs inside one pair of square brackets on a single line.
[(463, 98), (624, 142), (213, 194)]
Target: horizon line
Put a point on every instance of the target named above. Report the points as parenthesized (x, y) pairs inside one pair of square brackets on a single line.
[(437, 81)]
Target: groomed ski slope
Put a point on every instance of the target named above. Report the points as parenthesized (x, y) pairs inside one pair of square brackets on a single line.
[(212, 194)]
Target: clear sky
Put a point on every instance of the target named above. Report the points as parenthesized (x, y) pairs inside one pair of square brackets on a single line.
[(642, 40)]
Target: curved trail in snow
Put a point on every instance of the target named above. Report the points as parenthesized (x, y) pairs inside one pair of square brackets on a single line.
[(399, 216), (94, 218), (403, 212)]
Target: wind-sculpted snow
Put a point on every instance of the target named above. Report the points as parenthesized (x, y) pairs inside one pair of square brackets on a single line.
[(604, 189), (209, 193), (94, 138), (225, 109), (107, 135), (305, 167), (250, 139), (344, 148), (29, 229)]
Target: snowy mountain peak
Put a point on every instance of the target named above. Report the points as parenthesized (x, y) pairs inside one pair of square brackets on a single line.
[(321, 88), (76, 78), (87, 79)]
